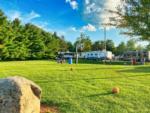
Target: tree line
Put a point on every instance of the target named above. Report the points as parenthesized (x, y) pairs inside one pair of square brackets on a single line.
[(25, 42), (130, 45)]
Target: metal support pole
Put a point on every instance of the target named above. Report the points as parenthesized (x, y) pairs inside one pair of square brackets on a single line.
[(105, 48), (77, 54)]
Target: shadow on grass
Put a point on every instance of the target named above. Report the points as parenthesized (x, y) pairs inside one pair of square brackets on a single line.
[(91, 79), (101, 94), (84, 69), (52, 103), (88, 69), (59, 106), (94, 95), (67, 104), (142, 69), (49, 103)]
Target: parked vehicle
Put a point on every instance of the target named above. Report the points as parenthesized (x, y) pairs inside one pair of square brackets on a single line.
[(96, 55), (138, 55)]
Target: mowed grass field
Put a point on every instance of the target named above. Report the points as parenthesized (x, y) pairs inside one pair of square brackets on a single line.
[(87, 88)]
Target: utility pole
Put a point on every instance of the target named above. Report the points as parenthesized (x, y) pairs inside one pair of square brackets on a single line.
[(78, 45), (105, 48), (77, 54)]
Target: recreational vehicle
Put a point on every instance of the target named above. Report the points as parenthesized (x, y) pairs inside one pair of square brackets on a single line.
[(138, 55), (96, 55)]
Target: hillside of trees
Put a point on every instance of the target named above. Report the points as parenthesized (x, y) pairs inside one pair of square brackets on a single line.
[(28, 42)]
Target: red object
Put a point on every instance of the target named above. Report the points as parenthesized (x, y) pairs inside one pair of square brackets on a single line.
[(134, 61)]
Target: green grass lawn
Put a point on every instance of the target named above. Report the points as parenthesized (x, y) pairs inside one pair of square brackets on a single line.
[(87, 89)]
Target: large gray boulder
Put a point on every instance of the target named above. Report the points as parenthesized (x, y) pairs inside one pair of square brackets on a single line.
[(19, 95)]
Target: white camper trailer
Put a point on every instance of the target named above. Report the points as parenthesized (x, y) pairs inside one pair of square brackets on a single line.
[(138, 55), (96, 55)]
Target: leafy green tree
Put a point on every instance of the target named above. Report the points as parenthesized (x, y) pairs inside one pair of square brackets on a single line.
[(47, 39), (110, 45), (70, 46), (148, 47), (53, 46), (134, 17), (121, 48), (140, 47), (63, 44), (131, 45), (3, 18), (19, 41), (5, 36), (98, 45), (85, 40), (36, 44)]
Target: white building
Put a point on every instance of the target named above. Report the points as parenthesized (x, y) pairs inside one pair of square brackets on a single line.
[(96, 55)]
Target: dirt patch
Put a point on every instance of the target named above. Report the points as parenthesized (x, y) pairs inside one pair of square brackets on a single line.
[(48, 109)]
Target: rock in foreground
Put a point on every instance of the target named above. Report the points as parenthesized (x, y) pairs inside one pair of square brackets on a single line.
[(19, 95)]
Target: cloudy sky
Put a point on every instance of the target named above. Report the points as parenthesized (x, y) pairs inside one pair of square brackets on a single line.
[(67, 17)]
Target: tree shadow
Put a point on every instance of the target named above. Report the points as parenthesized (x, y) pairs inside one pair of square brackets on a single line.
[(84, 69), (59, 106), (141, 69), (92, 79)]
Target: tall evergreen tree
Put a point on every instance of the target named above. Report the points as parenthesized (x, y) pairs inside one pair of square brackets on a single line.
[(36, 44)]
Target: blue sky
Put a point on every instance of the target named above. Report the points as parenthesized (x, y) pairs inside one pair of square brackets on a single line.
[(67, 17)]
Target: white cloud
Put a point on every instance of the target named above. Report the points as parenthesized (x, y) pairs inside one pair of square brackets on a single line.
[(142, 43), (87, 1), (97, 10), (73, 4), (61, 33), (91, 7), (109, 5), (25, 18), (88, 27), (13, 14), (32, 15), (73, 29), (41, 24)]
